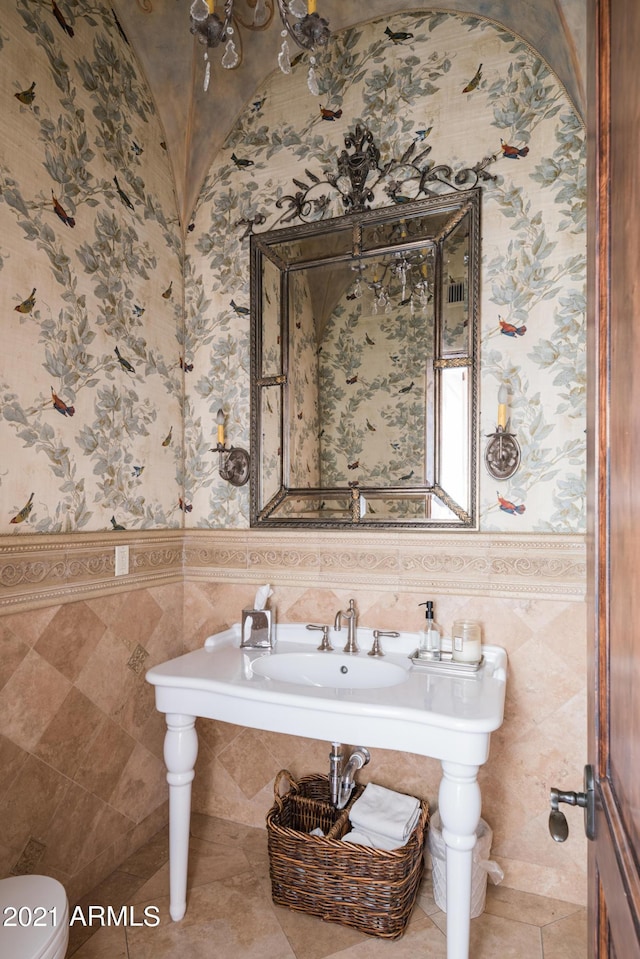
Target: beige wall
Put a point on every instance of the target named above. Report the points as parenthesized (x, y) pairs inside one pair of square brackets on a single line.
[(81, 744), (83, 779)]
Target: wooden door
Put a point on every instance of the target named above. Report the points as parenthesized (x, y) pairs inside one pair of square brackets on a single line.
[(614, 474)]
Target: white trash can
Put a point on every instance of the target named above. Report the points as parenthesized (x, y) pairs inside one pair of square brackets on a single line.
[(482, 865)]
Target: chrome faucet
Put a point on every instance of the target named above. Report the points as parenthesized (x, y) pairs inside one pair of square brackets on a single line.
[(351, 616)]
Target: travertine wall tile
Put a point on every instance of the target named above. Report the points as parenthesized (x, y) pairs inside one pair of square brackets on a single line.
[(119, 762), (81, 752)]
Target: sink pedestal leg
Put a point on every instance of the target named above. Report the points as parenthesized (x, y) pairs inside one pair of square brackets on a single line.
[(180, 752), (460, 806)]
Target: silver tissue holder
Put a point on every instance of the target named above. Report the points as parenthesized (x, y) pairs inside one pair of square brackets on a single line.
[(257, 629)]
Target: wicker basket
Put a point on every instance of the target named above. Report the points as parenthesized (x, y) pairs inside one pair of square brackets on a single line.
[(371, 889)]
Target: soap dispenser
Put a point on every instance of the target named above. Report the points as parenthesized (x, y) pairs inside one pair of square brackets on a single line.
[(430, 636)]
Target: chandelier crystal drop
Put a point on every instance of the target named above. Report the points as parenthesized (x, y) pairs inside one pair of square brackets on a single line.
[(199, 10), (299, 21)]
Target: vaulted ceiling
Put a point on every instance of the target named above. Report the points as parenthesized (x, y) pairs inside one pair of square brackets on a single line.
[(196, 123)]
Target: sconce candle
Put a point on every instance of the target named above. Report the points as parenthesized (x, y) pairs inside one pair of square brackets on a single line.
[(220, 422), (212, 5), (233, 462), (311, 6), (502, 454), (503, 395)]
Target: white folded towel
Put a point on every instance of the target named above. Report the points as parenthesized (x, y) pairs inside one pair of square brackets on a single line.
[(385, 813), (374, 840)]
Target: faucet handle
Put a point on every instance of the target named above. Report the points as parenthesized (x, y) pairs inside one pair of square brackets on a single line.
[(325, 645), (376, 649)]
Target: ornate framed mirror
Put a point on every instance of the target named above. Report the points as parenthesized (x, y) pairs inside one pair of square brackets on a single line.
[(364, 368)]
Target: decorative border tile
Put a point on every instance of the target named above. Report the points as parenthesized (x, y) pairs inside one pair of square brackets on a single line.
[(468, 563), (41, 570)]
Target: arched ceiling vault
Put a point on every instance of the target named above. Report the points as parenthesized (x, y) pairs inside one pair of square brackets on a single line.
[(196, 123)]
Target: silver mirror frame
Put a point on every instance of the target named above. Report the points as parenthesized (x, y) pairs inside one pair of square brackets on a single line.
[(267, 246)]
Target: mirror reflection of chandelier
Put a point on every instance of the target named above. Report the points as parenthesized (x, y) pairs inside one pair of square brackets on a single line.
[(299, 20), (403, 278)]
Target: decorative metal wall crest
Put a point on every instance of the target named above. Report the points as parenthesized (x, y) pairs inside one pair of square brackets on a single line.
[(411, 177)]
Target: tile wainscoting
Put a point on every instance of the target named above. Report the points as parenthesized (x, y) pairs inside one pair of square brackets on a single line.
[(76, 642)]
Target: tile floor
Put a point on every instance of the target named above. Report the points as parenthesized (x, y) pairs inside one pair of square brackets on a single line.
[(230, 914)]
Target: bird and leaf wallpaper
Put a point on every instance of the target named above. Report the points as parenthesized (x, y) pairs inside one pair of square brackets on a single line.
[(463, 90), (122, 339), (91, 280)]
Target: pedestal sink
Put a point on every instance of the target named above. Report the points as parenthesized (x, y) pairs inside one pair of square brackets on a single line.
[(386, 703)]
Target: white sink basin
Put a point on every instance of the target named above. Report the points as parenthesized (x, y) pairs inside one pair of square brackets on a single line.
[(335, 670)]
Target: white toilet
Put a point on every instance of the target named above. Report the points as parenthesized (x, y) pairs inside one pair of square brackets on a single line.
[(34, 918)]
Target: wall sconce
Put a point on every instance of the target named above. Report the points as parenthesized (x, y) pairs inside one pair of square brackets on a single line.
[(233, 462), (502, 454)]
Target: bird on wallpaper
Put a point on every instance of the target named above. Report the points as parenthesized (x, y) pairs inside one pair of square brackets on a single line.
[(330, 114), (257, 105), (136, 148), (354, 465), (241, 162), (57, 12), (187, 367), (407, 389), (368, 340), (423, 134), (398, 36), (185, 507), (167, 440), (138, 310), (352, 379), (370, 427), (125, 364), (407, 476), (240, 310), (60, 405), (399, 197), (116, 525), (27, 305), (167, 293), (513, 153), (508, 507), (137, 471), (473, 83), (21, 516), (61, 212), (509, 329), (27, 96), (123, 196)]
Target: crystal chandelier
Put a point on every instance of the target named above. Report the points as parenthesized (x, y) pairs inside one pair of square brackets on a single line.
[(299, 20), (404, 278)]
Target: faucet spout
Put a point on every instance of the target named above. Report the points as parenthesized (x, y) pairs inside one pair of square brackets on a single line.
[(351, 617)]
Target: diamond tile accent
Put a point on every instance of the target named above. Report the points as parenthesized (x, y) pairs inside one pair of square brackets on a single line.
[(31, 856)]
